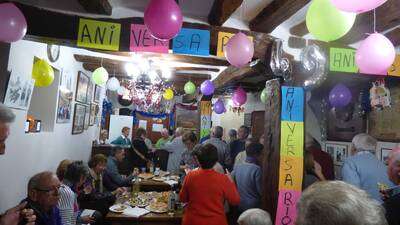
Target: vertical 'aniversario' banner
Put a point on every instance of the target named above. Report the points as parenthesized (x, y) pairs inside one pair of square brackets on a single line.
[(291, 154), (205, 120)]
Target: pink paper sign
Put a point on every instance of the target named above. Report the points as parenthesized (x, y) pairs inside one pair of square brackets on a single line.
[(142, 41), (286, 213)]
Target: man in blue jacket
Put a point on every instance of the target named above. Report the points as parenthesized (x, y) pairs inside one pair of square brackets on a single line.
[(124, 139)]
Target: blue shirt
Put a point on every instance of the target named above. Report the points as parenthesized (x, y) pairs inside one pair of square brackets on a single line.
[(42, 218), (115, 176), (365, 171), (247, 177)]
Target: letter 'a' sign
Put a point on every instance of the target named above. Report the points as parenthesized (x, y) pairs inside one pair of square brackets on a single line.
[(192, 42), (291, 154), (342, 60), (99, 34)]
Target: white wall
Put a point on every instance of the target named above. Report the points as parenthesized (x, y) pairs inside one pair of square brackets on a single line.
[(27, 154)]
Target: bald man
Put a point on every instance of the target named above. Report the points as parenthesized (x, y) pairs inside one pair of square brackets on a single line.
[(392, 203)]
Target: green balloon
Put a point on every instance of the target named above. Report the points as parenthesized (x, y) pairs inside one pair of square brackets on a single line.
[(263, 95), (190, 88), (326, 23), (100, 76)]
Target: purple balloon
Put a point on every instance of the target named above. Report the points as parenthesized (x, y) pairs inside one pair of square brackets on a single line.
[(12, 23), (340, 96), (207, 87), (239, 50), (239, 97), (219, 107), (163, 18)]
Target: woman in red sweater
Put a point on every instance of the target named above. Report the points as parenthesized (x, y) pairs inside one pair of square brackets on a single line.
[(206, 190)]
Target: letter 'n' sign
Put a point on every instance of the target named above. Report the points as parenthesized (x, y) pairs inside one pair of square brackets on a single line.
[(99, 34)]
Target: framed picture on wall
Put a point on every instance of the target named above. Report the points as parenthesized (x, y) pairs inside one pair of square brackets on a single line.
[(338, 151), (64, 107), (82, 87), (97, 92), (19, 91), (87, 117), (89, 96), (79, 118), (93, 113), (383, 149)]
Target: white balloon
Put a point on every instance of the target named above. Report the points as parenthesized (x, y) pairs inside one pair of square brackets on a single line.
[(121, 90), (113, 84)]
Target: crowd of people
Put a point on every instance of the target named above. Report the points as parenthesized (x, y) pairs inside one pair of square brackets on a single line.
[(221, 181)]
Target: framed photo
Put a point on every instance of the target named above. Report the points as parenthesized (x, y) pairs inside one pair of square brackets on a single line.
[(64, 107), (87, 117), (82, 87), (19, 92), (97, 92), (79, 118), (89, 92), (383, 150), (338, 151), (93, 113), (385, 155)]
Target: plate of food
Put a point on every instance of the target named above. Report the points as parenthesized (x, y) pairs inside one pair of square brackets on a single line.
[(118, 208), (157, 207), (139, 202)]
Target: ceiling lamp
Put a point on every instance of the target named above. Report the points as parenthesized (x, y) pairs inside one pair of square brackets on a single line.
[(132, 70)]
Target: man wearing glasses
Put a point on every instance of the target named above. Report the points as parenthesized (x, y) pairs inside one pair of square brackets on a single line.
[(43, 196)]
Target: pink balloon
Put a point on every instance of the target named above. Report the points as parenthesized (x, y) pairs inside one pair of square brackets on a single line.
[(163, 18), (239, 97), (239, 50), (12, 23), (375, 55), (357, 6)]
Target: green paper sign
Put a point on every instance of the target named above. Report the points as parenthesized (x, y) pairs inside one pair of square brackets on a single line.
[(343, 60), (98, 34)]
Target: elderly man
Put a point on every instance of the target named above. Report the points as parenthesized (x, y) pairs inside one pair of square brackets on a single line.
[(392, 203), (16, 214), (43, 196), (363, 169), (224, 157), (175, 147), (237, 146), (232, 133), (254, 217), (124, 139), (335, 202), (164, 139), (112, 178)]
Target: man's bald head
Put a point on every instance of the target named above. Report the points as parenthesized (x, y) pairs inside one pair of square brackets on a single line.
[(43, 188)]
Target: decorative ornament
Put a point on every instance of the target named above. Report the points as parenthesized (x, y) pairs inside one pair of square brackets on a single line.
[(190, 88), (326, 23), (207, 87), (263, 95), (163, 18), (113, 84), (375, 55), (239, 97), (12, 23), (280, 66), (357, 6), (239, 50), (100, 76), (340, 96), (314, 62), (42, 73), (379, 95), (219, 107), (168, 94)]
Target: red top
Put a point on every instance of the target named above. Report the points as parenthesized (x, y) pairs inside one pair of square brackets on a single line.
[(326, 162), (205, 192)]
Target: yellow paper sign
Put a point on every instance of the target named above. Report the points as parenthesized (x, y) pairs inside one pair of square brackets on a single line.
[(99, 34), (291, 173), (223, 38), (394, 70), (292, 138)]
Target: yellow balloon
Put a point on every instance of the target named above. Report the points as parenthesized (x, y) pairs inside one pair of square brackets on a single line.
[(42, 73), (168, 94)]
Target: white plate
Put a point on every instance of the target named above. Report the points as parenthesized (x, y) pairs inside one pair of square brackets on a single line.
[(115, 208)]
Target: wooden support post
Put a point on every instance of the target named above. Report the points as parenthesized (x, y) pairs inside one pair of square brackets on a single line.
[(272, 128)]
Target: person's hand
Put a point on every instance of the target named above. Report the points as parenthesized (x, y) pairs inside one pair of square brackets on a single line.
[(88, 189), (14, 215), (120, 190), (229, 175), (87, 219), (317, 168)]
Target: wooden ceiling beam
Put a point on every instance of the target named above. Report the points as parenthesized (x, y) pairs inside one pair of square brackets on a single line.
[(102, 7), (276, 13), (394, 36), (222, 10)]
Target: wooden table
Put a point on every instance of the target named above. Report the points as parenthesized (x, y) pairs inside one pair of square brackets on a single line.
[(148, 219), (152, 185)]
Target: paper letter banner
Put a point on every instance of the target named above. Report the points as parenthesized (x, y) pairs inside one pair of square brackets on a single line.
[(292, 138), (343, 60), (394, 70), (205, 120), (223, 38), (142, 41), (286, 213), (192, 42), (292, 104), (291, 173), (98, 34)]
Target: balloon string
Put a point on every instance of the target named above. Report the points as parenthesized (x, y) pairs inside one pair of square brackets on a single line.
[(101, 61), (374, 21)]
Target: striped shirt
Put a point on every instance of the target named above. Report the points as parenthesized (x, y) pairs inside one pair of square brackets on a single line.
[(68, 205)]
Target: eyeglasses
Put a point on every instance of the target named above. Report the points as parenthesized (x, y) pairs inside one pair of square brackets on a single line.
[(50, 190)]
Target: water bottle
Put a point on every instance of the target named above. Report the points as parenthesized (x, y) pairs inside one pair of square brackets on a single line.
[(171, 202)]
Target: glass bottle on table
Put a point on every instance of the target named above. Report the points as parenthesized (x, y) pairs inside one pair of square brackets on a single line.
[(135, 183)]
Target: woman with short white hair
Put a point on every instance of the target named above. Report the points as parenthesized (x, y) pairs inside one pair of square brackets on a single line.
[(338, 203), (254, 217)]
